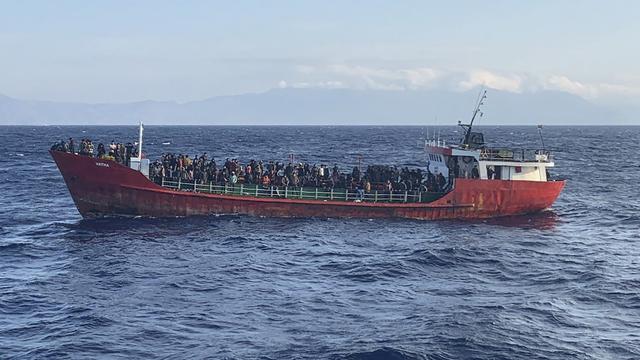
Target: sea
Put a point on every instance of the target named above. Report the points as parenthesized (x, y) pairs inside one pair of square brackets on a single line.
[(561, 284)]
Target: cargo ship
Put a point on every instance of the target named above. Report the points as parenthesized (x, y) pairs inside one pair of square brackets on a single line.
[(482, 182)]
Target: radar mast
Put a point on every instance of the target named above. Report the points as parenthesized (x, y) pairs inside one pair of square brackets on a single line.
[(470, 139)]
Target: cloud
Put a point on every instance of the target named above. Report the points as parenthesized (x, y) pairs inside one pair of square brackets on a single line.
[(317, 84), (421, 77), (367, 77), (510, 83), (563, 83), (417, 78), (590, 91), (352, 76)]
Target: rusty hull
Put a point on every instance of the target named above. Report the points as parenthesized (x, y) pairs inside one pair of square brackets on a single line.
[(102, 188)]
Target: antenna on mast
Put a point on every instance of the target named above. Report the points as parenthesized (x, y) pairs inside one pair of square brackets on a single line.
[(466, 141), (540, 133), (437, 132)]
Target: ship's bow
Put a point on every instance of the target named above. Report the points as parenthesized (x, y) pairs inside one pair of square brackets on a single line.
[(97, 186)]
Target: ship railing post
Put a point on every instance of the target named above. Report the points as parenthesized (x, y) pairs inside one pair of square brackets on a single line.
[(257, 190), (316, 193), (210, 186), (195, 185), (331, 193), (375, 197), (272, 191), (242, 189), (225, 188), (406, 197), (301, 192), (179, 182), (346, 194), (286, 189), (162, 181), (419, 196)]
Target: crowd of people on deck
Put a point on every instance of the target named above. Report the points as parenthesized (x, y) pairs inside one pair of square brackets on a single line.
[(121, 153), (203, 170)]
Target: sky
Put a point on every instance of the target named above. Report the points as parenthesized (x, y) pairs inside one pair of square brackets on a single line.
[(124, 51)]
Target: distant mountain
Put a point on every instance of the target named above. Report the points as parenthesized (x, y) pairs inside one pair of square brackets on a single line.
[(291, 106)]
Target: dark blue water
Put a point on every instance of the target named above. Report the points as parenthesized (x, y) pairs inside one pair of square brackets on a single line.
[(558, 285)]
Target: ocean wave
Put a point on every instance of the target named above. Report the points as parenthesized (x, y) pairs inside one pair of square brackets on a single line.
[(555, 285), (387, 354)]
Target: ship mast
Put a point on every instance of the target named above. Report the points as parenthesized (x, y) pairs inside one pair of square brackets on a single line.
[(140, 141), (467, 127)]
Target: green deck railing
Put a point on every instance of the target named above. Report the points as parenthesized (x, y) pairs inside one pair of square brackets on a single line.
[(303, 193)]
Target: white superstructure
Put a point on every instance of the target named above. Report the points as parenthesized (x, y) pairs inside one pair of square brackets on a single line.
[(473, 159), (487, 163)]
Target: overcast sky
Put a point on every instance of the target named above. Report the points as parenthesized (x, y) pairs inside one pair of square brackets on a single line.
[(121, 51)]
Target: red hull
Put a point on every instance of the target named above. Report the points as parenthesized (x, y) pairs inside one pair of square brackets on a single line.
[(106, 188)]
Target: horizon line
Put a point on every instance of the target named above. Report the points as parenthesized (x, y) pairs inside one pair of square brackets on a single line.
[(318, 125)]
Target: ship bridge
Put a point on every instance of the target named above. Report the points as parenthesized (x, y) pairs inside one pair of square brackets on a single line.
[(488, 163), (473, 159)]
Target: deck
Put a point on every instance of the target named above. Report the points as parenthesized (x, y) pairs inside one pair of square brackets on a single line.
[(304, 193)]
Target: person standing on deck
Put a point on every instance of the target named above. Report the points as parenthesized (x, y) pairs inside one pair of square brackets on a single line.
[(442, 182), (128, 152), (248, 170), (101, 150), (475, 173), (234, 179), (356, 173), (359, 191)]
